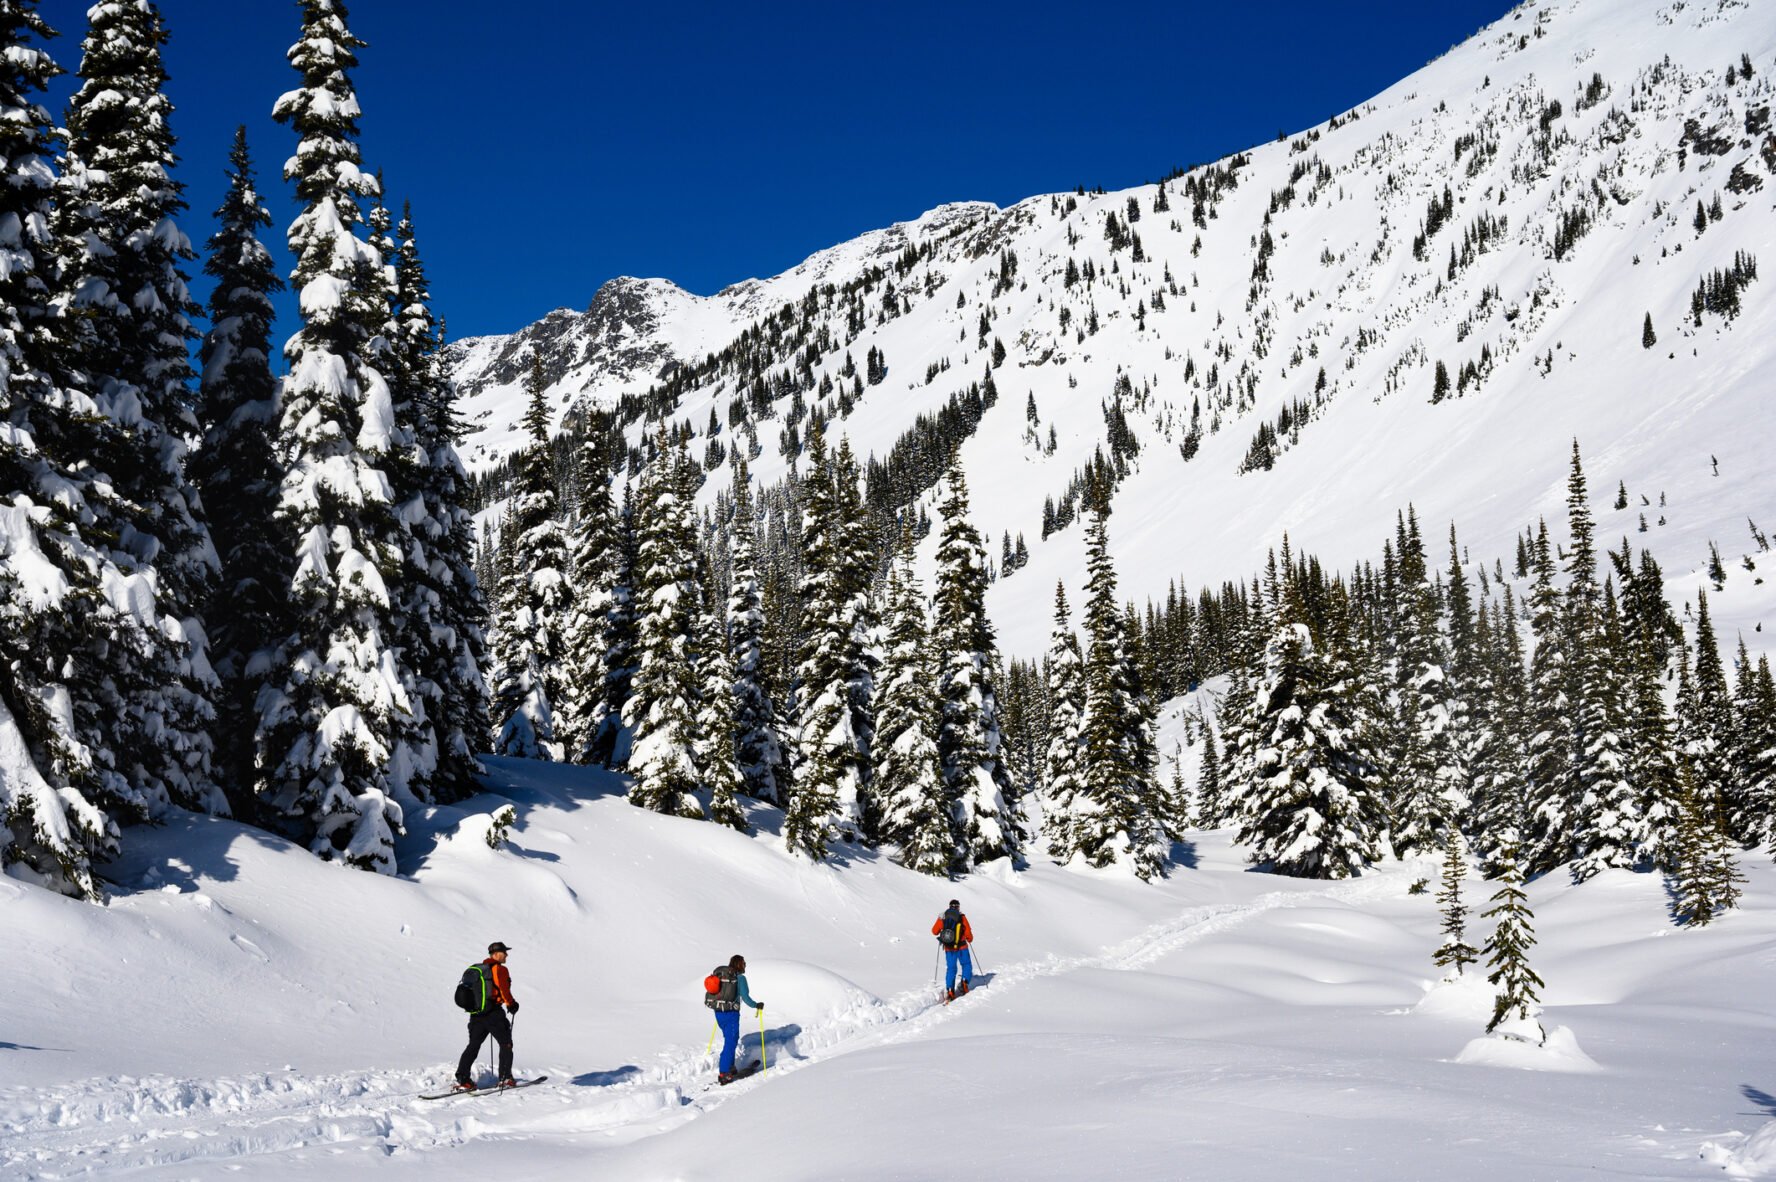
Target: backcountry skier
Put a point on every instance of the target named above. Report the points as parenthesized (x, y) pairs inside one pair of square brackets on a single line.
[(491, 1019), (954, 935), (726, 999)]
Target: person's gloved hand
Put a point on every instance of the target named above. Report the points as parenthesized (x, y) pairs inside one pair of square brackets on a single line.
[(512, 1009), (760, 1005)]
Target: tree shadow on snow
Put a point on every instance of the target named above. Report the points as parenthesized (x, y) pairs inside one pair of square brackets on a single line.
[(204, 848), (25, 1046), (1759, 1097), (537, 855), (1184, 853), (605, 1079)]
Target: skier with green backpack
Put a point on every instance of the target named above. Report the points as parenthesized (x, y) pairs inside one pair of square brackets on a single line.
[(485, 988)]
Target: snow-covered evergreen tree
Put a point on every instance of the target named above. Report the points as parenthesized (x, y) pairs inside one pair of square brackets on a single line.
[(443, 614), (1651, 747), (831, 758), (1706, 735), (1550, 738), (1429, 774), (337, 695), (236, 469), (988, 823), (593, 556), (1516, 1000), (1307, 809), (1613, 831), (1606, 825), (1210, 809), (661, 712), (1063, 766), (716, 712), (535, 600), (916, 814), (1118, 814), (126, 330), (1497, 762), (58, 817), (1705, 881), (764, 768), (612, 739), (1455, 953)]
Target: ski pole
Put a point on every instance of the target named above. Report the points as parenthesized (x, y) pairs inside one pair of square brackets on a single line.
[(514, 1028), (712, 1031), (764, 1060), (974, 956)]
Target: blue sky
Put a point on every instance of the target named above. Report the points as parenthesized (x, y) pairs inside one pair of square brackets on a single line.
[(548, 145)]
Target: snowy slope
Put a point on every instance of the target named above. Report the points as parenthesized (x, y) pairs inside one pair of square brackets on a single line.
[(241, 1009), (1685, 425)]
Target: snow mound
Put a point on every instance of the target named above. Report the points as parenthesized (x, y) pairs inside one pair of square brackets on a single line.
[(806, 994), (1755, 1158), (1465, 999), (1560, 1051)]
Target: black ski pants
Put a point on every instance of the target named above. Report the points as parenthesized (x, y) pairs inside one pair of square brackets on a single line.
[(492, 1021)]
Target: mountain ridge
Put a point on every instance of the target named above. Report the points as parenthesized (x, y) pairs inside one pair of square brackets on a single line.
[(1510, 214)]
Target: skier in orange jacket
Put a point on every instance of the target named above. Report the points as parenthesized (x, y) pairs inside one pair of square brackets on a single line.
[(954, 934)]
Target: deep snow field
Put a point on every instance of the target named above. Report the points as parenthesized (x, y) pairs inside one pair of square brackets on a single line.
[(241, 1009)]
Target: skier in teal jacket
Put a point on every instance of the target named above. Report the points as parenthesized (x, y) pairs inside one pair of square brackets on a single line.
[(726, 1003)]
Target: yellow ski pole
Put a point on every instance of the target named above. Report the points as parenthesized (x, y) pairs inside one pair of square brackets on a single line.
[(712, 1031), (764, 1060)]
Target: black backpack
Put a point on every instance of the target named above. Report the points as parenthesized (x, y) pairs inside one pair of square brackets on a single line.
[(951, 935), (726, 994), (475, 989)]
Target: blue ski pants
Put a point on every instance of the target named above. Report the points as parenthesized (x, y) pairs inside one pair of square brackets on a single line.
[(953, 959), (729, 1021)]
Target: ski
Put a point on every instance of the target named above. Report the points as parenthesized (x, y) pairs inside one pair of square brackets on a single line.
[(493, 1091), (742, 1073)]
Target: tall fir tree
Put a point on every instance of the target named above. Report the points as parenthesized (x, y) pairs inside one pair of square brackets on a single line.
[(1308, 808), (1063, 765), (916, 814), (1516, 996), (716, 713), (831, 756), (444, 610), (236, 468), (581, 713), (762, 756), (1119, 815), (1612, 830), (337, 697), (1709, 732), (126, 311), (1210, 809), (1455, 953), (1646, 649), (1550, 740), (1704, 880), (60, 806), (1604, 815), (535, 601), (1429, 776), (662, 708), (1755, 703), (988, 822)]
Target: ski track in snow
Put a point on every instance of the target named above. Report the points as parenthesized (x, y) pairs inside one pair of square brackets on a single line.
[(123, 1123)]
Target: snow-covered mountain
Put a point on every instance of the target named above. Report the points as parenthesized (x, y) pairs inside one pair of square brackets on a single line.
[(1512, 215)]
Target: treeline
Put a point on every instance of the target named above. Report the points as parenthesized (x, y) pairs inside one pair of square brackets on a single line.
[(1379, 713), (221, 592)]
